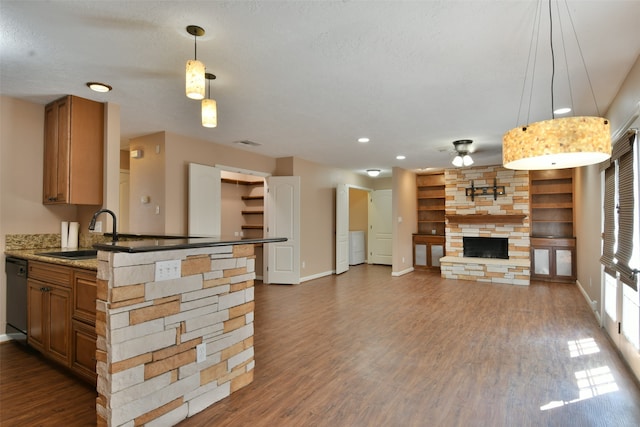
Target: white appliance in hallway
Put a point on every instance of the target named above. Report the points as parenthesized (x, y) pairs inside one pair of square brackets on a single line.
[(356, 247)]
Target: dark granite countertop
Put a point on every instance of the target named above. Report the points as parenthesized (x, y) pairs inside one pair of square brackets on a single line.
[(170, 243), (136, 243)]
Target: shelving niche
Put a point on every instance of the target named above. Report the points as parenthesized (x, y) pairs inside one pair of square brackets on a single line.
[(553, 245), (428, 243), (431, 203), (551, 198)]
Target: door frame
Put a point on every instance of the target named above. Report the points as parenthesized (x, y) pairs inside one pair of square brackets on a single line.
[(345, 217)]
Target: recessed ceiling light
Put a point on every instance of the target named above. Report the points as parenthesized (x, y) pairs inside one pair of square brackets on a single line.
[(363, 139), (400, 157), (563, 110), (99, 87)]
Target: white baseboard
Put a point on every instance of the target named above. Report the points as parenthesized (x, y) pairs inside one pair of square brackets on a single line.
[(11, 337), (591, 303), (317, 276), (401, 273)]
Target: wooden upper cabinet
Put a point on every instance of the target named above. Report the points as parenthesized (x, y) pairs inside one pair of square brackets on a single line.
[(73, 151)]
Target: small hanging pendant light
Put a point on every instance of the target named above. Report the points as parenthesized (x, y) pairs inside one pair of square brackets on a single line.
[(195, 79), (209, 106)]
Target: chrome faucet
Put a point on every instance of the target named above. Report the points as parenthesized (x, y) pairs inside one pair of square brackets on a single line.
[(92, 224)]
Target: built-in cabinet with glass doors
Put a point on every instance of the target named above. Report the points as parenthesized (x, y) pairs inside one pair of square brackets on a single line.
[(553, 245)]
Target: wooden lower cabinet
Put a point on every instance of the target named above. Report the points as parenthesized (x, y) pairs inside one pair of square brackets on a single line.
[(427, 250), (49, 320), (553, 259), (83, 342), (61, 316), (83, 356)]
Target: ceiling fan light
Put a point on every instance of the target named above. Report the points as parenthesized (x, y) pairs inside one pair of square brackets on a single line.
[(195, 81), (209, 113), (457, 161), (467, 160)]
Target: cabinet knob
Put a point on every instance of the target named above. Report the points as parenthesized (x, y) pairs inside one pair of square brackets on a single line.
[(53, 199)]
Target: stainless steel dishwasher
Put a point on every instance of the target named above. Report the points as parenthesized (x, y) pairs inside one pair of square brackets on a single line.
[(16, 270)]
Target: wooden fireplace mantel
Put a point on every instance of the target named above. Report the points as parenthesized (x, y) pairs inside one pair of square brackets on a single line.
[(485, 219)]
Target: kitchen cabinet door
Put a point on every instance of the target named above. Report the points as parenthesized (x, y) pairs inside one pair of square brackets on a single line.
[(73, 152), (59, 324), (35, 317), (49, 320), (83, 359)]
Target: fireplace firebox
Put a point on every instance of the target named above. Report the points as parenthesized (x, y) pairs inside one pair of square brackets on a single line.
[(485, 247)]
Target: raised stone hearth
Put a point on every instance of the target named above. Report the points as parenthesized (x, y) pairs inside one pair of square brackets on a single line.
[(506, 217)]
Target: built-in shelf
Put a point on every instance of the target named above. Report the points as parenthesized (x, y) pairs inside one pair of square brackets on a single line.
[(241, 182), (252, 197), (431, 203), (255, 212), (252, 227), (485, 219)]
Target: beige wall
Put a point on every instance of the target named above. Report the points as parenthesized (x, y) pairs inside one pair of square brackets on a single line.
[(588, 208), (358, 210), (181, 151), (317, 211), (148, 179), (231, 220), (405, 221), (626, 101), (588, 192), (21, 160), (124, 159)]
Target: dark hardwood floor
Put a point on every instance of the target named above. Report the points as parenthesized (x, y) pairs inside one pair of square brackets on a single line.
[(368, 349)]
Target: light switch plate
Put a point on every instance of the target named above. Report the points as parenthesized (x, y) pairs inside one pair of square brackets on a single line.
[(167, 270)]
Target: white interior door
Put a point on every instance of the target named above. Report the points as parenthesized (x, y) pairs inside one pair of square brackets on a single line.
[(342, 228), (204, 200), (282, 219), (380, 227)]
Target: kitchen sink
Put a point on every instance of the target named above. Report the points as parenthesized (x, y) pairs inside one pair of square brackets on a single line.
[(83, 254)]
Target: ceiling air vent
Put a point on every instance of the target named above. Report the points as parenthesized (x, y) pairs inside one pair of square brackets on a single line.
[(247, 143)]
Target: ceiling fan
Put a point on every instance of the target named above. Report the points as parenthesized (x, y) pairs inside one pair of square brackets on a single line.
[(462, 148)]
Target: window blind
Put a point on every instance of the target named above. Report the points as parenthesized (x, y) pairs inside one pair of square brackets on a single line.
[(625, 219), (609, 238), (626, 212)]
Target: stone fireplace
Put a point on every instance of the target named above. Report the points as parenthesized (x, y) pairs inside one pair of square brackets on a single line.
[(505, 217)]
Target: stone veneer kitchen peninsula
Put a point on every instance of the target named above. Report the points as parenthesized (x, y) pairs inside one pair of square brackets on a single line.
[(152, 335)]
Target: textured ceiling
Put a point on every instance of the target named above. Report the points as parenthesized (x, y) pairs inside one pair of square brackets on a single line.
[(307, 78)]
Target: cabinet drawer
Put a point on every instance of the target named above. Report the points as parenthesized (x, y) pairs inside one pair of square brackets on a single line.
[(84, 296), (50, 273)]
